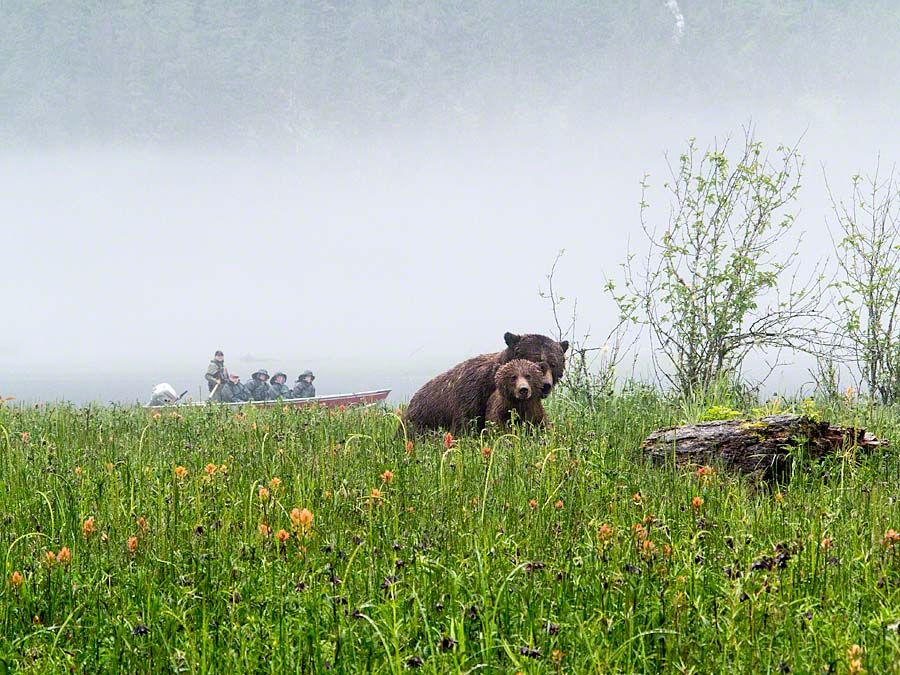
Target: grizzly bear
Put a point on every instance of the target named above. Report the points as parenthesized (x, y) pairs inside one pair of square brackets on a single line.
[(519, 384), (456, 400)]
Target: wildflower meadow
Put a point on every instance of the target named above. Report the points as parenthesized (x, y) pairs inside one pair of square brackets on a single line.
[(305, 540)]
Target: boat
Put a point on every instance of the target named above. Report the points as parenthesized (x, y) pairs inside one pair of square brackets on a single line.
[(364, 398)]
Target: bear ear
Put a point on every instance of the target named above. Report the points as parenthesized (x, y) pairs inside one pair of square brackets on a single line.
[(511, 339), (565, 345)]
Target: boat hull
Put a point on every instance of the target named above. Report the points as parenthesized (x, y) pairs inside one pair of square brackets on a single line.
[(332, 401)]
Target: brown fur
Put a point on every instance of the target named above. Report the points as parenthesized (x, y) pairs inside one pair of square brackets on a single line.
[(457, 399), (519, 383)]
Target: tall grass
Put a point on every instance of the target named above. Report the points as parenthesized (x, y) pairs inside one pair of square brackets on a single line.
[(536, 553)]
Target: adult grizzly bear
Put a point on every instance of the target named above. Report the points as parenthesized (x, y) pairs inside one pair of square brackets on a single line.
[(457, 399), (519, 384)]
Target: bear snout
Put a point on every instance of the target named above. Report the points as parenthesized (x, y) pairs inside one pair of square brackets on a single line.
[(524, 392)]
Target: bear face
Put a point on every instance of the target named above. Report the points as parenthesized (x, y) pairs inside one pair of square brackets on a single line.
[(519, 380), (542, 350), (517, 394)]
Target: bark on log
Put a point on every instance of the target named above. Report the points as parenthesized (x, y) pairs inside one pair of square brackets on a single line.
[(762, 448)]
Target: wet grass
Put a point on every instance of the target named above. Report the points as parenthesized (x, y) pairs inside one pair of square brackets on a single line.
[(176, 546)]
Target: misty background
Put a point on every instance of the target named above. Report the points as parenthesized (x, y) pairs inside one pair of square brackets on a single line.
[(376, 190)]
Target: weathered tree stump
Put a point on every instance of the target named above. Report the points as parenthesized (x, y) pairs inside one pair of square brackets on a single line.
[(763, 448)]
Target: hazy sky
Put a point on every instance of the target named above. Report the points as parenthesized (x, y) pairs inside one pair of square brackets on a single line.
[(376, 259)]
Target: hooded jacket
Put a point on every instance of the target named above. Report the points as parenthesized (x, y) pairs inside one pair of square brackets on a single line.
[(304, 389), (280, 389), (260, 389)]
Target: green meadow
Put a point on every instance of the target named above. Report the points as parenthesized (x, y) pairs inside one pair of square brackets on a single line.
[(303, 540)]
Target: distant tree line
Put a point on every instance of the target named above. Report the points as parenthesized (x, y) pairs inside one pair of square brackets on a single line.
[(172, 70)]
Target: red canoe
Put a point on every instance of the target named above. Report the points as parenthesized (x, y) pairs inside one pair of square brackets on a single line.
[(332, 401)]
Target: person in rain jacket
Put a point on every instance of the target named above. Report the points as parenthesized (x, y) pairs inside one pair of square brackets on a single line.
[(259, 386), (304, 386), (237, 390), (279, 388), (217, 377)]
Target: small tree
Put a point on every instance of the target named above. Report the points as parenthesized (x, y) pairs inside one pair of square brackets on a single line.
[(709, 287), (868, 288)]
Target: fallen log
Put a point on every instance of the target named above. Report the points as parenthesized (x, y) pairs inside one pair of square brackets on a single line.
[(762, 448)]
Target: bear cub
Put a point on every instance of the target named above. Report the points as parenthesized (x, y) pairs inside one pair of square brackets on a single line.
[(519, 384)]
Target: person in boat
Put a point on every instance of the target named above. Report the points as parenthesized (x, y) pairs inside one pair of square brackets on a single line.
[(259, 386), (304, 388), (237, 390), (279, 388), (217, 377)]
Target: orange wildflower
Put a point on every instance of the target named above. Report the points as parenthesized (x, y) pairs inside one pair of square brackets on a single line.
[(448, 440), (301, 518), (696, 503), (387, 476), (532, 503), (180, 472), (49, 558), (558, 504), (891, 537), (282, 536), (264, 530), (485, 452), (827, 543), (636, 498), (704, 472), (16, 579), (132, 544), (409, 447), (78, 471), (275, 483), (556, 655), (64, 557), (640, 531), (605, 533), (26, 437), (87, 528), (210, 469), (376, 493), (142, 524), (263, 494), (157, 415)]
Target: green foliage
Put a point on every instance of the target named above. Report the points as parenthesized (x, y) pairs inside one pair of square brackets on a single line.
[(528, 557), (719, 412), (868, 286), (708, 289)]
